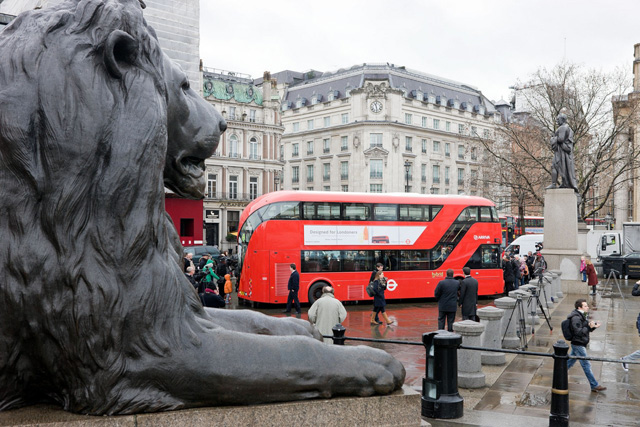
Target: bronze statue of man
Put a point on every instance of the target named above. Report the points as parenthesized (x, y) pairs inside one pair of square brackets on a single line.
[(563, 164)]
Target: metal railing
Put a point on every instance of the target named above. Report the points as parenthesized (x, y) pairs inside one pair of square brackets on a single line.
[(232, 195)]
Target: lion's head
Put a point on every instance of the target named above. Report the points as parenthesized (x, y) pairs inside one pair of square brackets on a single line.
[(94, 121)]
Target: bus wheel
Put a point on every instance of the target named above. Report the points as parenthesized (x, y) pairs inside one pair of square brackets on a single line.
[(315, 291)]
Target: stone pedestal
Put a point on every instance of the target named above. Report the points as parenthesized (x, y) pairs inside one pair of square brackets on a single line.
[(490, 317), (470, 373), (399, 408), (508, 323), (561, 232), (556, 279)]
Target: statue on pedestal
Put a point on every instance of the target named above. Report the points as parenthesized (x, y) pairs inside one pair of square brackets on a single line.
[(563, 164)]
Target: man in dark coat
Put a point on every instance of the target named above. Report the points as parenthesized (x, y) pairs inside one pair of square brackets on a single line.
[(468, 295), (508, 274), (446, 294), (581, 327), (379, 267), (293, 286)]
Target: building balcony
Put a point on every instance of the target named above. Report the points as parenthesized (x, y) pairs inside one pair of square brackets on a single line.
[(295, 180), (446, 154), (408, 149), (446, 181), (423, 179), (232, 195), (344, 148), (233, 155), (309, 152), (460, 182), (295, 154), (255, 157), (325, 177), (344, 176), (309, 179), (436, 180), (375, 175), (326, 150)]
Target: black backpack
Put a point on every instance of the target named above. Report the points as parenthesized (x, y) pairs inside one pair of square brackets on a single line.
[(567, 332), (370, 291)]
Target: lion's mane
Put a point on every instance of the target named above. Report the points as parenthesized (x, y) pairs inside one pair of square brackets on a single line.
[(88, 256)]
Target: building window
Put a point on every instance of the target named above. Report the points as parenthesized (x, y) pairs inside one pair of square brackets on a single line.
[(375, 188), (435, 190), (326, 188), (233, 187), (233, 218), (446, 191), (461, 129), (461, 152), (436, 174), (408, 143), (485, 133), (253, 149), (408, 118), (232, 113), (253, 187), (474, 153), (474, 131), (344, 188), (295, 174), (436, 146), (326, 145), (296, 127), (309, 147), (460, 177), (344, 143), (314, 100), (327, 122), (447, 126), (446, 175), (212, 185), (309, 124), (345, 118), (375, 168), (474, 177), (447, 149), (436, 124), (233, 146), (309, 173), (424, 122), (375, 139), (423, 172), (424, 145), (326, 171), (310, 188), (252, 116), (344, 170), (295, 149)]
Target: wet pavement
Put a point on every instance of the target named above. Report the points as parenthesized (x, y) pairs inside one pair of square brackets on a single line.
[(520, 390)]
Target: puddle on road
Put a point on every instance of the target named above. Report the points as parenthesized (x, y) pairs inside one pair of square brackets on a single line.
[(537, 399)]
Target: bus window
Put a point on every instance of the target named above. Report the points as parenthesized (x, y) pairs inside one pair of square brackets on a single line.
[(356, 211), (414, 260), (355, 260), (486, 256), (434, 211), (322, 211), (485, 214), (469, 214), (439, 254), (385, 212), (494, 215), (282, 210), (414, 213)]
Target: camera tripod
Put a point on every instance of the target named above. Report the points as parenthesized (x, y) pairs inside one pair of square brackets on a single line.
[(534, 302), (613, 274), (535, 295)]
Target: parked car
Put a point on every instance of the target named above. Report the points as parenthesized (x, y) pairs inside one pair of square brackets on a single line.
[(198, 251)]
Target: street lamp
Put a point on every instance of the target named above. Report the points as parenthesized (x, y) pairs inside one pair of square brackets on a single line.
[(276, 180), (407, 166)]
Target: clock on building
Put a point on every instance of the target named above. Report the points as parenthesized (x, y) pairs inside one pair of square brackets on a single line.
[(376, 106)]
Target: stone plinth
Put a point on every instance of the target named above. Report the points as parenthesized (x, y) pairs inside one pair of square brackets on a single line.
[(508, 323), (399, 408), (561, 249), (490, 317), (470, 373)]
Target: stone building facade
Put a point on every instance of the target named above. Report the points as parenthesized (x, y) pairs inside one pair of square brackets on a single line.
[(383, 128), (247, 162)]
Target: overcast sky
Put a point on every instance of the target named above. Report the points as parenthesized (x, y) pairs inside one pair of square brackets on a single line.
[(489, 44)]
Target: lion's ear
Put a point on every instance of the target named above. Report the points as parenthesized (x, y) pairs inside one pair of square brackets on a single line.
[(120, 52)]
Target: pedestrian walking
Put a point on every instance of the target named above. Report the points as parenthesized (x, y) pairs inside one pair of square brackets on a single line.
[(446, 294), (293, 286), (592, 277), (379, 267), (327, 312), (379, 302), (581, 327), (508, 274), (636, 354), (468, 295)]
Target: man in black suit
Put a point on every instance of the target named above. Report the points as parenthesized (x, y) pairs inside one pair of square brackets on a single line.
[(293, 286), (379, 267), (446, 294), (468, 295)]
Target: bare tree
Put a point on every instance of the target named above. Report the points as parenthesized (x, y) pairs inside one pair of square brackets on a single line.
[(521, 154)]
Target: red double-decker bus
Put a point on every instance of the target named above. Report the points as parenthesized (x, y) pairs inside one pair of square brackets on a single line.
[(337, 238)]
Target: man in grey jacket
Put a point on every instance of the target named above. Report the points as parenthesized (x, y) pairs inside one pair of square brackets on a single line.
[(327, 312)]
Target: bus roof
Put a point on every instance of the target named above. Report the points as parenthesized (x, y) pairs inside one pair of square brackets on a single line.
[(349, 197)]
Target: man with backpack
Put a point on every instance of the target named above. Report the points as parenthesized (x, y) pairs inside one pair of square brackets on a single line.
[(579, 328)]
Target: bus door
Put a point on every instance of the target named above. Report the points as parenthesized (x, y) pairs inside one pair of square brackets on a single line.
[(280, 268)]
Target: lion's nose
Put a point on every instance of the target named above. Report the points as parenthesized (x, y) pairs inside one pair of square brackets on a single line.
[(222, 125)]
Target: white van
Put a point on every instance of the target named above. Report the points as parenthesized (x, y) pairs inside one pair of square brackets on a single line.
[(525, 244)]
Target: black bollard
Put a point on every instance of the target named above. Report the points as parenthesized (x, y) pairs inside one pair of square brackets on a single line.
[(559, 416), (338, 334), (440, 397)]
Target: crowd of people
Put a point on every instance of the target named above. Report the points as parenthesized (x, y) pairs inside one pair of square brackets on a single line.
[(212, 279)]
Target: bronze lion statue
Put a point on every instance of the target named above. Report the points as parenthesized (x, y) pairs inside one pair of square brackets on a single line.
[(95, 312)]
